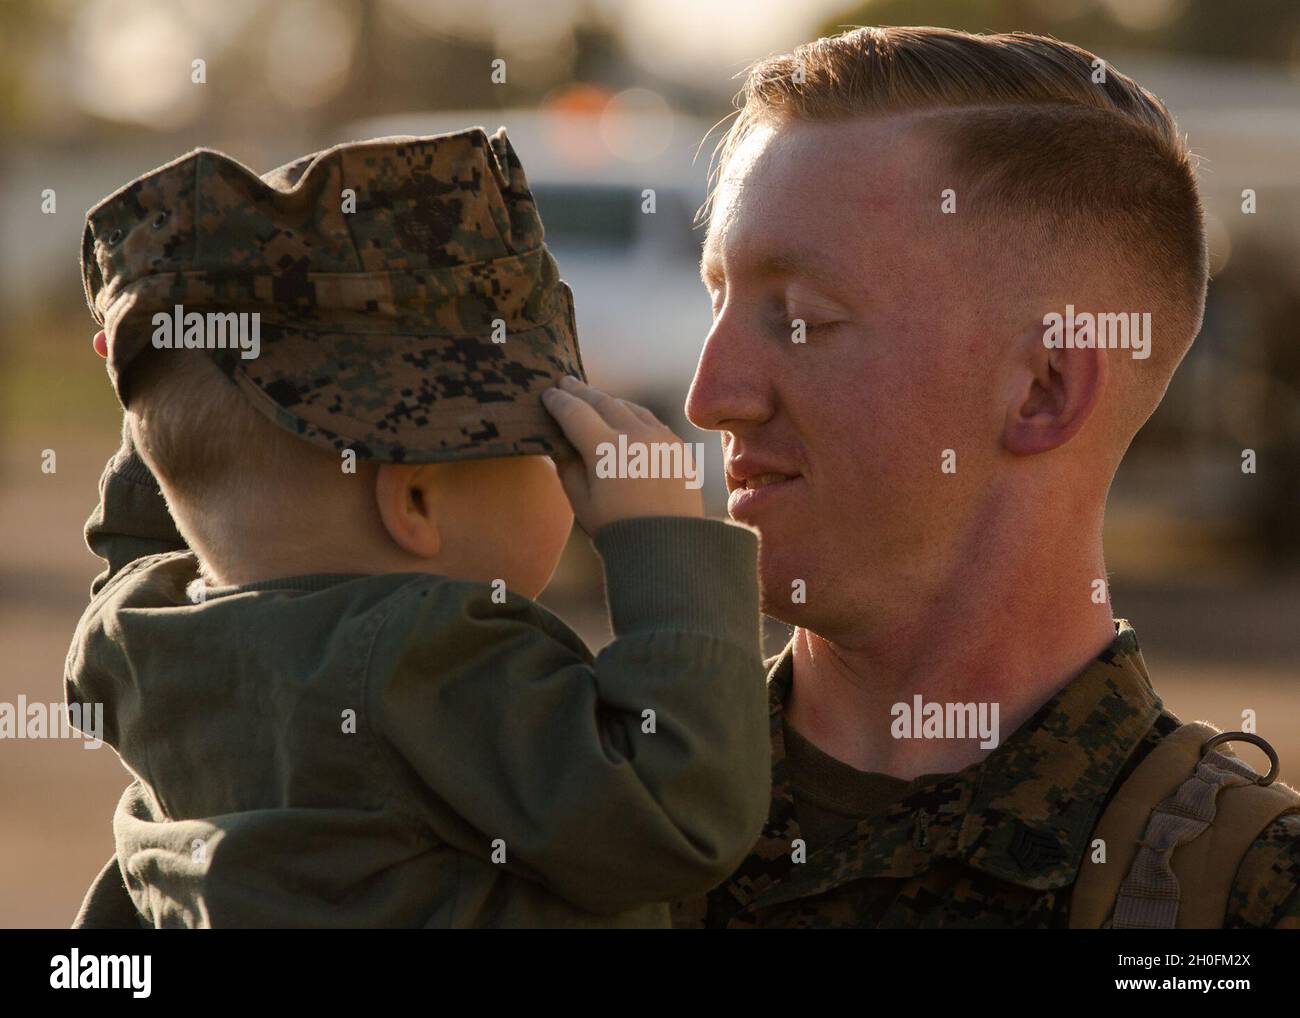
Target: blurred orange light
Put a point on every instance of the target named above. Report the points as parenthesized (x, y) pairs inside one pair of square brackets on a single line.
[(570, 117), (577, 98)]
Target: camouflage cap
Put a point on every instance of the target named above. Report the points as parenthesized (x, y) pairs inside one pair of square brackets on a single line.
[(408, 307)]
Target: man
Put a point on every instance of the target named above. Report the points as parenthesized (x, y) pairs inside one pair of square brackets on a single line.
[(903, 224)]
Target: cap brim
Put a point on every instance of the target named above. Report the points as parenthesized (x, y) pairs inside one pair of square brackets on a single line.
[(410, 398)]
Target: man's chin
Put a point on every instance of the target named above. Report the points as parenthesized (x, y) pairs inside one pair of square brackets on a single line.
[(807, 586), (782, 611), (783, 596)]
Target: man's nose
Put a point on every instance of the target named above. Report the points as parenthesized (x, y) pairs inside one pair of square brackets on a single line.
[(730, 385)]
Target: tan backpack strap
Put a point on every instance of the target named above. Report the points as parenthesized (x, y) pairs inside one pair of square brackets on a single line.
[(1121, 825), (1207, 866), (1208, 806), (1150, 896)]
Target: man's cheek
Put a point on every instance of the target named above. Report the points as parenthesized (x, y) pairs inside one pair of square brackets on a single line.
[(885, 455)]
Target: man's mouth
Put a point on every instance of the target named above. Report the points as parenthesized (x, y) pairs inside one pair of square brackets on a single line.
[(752, 486), (745, 474), (761, 481)]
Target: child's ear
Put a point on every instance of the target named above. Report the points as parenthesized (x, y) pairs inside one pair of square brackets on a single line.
[(407, 496)]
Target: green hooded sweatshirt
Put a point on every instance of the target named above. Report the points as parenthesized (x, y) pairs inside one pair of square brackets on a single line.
[(407, 750)]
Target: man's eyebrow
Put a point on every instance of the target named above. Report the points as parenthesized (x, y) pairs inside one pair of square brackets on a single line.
[(802, 262), (710, 271)]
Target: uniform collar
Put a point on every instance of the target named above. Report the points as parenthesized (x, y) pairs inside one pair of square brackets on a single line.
[(1024, 814)]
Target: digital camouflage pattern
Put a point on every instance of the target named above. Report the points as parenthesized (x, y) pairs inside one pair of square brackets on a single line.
[(376, 323), (1264, 891), (996, 845)]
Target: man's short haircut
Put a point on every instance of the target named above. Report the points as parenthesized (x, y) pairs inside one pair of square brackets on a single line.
[(1097, 165)]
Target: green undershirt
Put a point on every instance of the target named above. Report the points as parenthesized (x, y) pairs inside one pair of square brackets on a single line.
[(830, 796)]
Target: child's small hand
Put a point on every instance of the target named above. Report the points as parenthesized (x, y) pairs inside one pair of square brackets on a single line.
[(590, 418)]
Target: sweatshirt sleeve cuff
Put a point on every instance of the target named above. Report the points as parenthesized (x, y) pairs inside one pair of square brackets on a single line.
[(684, 574)]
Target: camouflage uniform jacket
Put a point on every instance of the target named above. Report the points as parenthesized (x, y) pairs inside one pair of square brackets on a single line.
[(996, 845)]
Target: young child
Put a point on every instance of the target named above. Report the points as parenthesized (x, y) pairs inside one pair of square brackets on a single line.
[(315, 640)]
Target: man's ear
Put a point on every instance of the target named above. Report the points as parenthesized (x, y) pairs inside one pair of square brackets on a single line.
[(1053, 393), (407, 496)]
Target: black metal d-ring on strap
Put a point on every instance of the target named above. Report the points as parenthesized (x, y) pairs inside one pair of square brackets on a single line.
[(1254, 740)]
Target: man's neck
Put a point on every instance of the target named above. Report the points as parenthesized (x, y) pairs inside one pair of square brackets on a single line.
[(1003, 631)]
